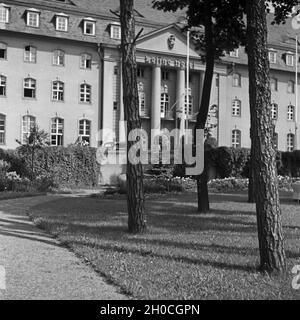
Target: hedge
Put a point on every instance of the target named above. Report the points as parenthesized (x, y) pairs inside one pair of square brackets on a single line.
[(73, 166)]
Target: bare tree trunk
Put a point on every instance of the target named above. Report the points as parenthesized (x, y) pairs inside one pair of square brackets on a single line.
[(135, 192), (203, 199), (251, 191), (270, 236)]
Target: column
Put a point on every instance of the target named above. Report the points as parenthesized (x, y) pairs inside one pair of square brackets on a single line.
[(156, 97), (180, 92)]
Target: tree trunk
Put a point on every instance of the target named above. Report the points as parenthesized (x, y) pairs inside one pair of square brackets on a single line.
[(135, 187), (203, 199), (270, 236), (251, 190)]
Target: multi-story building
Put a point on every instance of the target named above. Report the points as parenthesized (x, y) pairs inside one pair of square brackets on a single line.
[(60, 67)]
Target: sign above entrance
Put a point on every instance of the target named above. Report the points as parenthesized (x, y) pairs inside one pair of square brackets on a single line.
[(168, 62)]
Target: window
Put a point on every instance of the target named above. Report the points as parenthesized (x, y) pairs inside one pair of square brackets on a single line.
[(86, 61), (61, 23), (142, 100), (85, 93), (2, 128), (165, 76), (115, 32), (236, 139), (85, 131), (140, 72), (4, 14), (2, 86), (57, 132), (234, 53), (272, 56), (28, 122), (58, 91), (89, 26), (29, 88), (59, 58), (3, 50), (30, 54), (275, 141), (291, 113), (289, 59), (291, 86), (274, 84), (290, 142), (236, 108), (33, 18), (237, 80), (274, 111), (188, 105), (164, 102)]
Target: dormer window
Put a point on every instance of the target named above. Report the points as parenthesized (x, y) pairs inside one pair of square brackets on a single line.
[(115, 31), (33, 18), (61, 22), (89, 26), (272, 56), (289, 59), (4, 13)]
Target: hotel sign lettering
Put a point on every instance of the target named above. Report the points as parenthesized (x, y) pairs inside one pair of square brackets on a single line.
[(168, 62)]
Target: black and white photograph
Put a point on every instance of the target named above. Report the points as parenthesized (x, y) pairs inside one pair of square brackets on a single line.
[(149, 154)]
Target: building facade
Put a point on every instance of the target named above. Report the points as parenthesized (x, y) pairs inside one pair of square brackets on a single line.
[(60, 67)]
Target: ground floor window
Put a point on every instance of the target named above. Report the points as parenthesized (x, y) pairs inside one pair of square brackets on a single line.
[(290, 142), (28, 122), (85, 131), (236, 139), (57, 132), (2, 129)]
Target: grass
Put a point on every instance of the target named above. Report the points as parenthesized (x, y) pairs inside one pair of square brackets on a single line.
[(7, 195), (184, 255)]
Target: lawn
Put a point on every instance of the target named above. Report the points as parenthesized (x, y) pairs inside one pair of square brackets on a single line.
[(184, 255)]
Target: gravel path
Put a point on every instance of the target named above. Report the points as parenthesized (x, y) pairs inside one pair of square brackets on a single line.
[(37, 267)]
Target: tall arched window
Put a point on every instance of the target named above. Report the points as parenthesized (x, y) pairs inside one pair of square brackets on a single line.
[(291, 113), (290, 142), (29, 88), (164, 102), (291, 86), (3, 51), (85, 93), (2, 86), (274, 84), (2, 128), (189, 103), (59, 58), (58, 88), (85, 61), (236, 138), (236, 108), (142, 100), (85, 131), (57, 132), (237, 80), (30, 54), (274, 111), (28, 123), (275, 140)]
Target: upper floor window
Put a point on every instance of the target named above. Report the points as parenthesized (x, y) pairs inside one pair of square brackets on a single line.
[(2, 86), (142, 100), (57, 132), (4, 13), (2, 128), (164, 102), (61, 22), (290, 142), (86, 61), (236, 139), (59, 58), (237, 80), (89, 26), (291, 86), (274, 111), (29, 88), (272, 56), (289, 59), (274, 84), (3, 51), (140, 72), (85, 131), (33, 18), (30, 54), (28, 122), (58, 91), (291, 113), (115, 31), (85, 93), (236, 108), (234, 53), (165, 75)]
